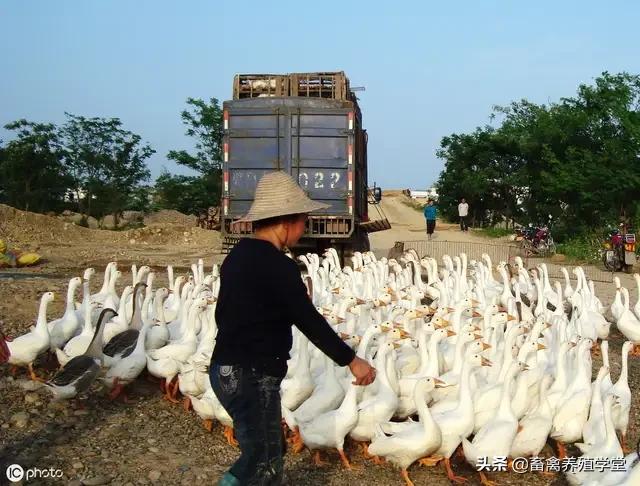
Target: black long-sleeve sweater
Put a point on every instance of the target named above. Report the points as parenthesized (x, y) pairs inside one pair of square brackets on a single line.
[(261, 297)]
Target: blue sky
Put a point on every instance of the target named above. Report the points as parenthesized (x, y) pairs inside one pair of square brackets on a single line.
[(429, 68)]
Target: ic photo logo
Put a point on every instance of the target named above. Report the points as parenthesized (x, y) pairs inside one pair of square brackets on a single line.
[(15, 473)]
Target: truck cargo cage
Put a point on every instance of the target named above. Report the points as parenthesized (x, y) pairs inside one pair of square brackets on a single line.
[(260, 86), (316, 226), (333, 85)]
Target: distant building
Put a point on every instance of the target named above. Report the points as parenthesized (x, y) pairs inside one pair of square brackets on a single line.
[(430, 193)]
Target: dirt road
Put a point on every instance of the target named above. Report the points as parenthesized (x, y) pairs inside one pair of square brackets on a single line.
[(408, 224)]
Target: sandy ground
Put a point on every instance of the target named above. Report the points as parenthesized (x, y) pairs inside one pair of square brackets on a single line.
[(149, 440)]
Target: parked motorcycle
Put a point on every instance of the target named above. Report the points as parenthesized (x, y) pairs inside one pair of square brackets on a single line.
[(619, 250), (536, 240)]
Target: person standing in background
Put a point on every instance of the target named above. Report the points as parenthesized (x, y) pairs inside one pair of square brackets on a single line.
[(430, 212), (463, 212)]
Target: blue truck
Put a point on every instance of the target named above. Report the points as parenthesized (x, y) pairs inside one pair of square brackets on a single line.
[(310, 126)]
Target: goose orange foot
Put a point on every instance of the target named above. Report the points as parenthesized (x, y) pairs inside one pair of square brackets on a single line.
[(450, 473), (317, 460), (230, 436), (296, 441), (378, 460), (405, 476), (33, 375), (430, 461), (345, 461), (208, 424), (486, 481), (171, 391), (364, 448), (562, 451), (118, 390), (186, 404)]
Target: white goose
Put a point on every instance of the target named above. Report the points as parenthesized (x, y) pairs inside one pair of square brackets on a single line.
[(77, 345), (412, 443), (24, 349), (495, 438), (629, 324), (63, 329)]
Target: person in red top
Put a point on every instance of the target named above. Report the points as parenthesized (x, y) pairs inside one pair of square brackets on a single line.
[(261, 296)]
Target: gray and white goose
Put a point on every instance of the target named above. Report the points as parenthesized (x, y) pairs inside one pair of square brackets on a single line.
[(77, 375)]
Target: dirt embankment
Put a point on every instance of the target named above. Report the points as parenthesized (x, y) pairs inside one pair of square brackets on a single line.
[(169, 237)]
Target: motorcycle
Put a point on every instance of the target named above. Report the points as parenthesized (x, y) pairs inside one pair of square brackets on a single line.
[(619, 250), (536, 240)]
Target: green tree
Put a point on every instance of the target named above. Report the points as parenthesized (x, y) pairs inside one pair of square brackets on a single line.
[(187, 194), (577, 160), (204, 123), (32, 176), (107, 163)]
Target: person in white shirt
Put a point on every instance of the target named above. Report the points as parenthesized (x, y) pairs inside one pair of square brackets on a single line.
[(463, 212)]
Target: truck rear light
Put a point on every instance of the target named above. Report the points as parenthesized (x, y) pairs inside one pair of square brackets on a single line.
[(225, 117), (630, 246), (226, 180), (226, 152), (350, 204), (225, 205), (350, 179), (351, 120), (350, 154)]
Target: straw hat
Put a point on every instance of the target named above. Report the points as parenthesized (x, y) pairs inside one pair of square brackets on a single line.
[(277, 194)]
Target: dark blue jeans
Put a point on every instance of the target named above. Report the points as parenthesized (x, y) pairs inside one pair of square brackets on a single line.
[(252, 399)]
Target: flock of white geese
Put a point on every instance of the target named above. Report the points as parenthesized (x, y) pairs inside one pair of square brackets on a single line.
[(487, 361)]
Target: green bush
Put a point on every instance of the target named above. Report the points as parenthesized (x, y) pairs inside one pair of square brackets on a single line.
[(493, 232), (583, 249)]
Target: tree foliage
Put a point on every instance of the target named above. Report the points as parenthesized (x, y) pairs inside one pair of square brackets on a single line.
[(32, 174), (577, 160), (107, 163), (194, 194), (204, 124)]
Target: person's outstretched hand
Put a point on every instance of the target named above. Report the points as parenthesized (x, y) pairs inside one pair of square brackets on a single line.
[(363, 372)]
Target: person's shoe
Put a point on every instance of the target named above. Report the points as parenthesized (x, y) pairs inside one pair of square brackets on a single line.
[(228, 480)]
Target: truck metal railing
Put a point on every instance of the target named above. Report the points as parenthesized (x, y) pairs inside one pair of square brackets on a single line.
[(329, 226)]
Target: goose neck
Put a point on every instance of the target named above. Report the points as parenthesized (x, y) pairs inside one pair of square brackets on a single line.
[(624, 372), (95, 347), (464, 397), (505, 409), (421, 405), (106, 278), (71, 294)]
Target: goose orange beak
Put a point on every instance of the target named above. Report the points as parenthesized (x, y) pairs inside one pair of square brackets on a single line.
[(440, 384), (450, 333), (486, 362)]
